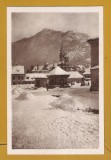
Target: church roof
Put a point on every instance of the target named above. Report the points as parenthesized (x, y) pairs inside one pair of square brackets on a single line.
[(57, 71)]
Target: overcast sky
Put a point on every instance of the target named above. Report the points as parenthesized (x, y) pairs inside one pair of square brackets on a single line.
[(28, 24)]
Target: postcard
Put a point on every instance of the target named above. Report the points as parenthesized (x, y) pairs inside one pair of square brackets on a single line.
[(55, 71)]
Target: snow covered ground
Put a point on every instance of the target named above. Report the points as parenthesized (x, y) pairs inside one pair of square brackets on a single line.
[(55, 119)]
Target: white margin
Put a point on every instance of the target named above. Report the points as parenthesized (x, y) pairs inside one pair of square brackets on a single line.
[(100, 150)]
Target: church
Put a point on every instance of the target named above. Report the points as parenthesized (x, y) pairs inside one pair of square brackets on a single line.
[(64, 59)]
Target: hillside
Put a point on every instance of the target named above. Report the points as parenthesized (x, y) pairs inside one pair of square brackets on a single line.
[(46, 45)]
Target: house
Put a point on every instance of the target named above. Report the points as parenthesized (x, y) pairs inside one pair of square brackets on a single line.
[(18, 74), (75, 76), (94, 63), (29, 78), (58, 77), (40, 79), (64, 59), (87, 74)]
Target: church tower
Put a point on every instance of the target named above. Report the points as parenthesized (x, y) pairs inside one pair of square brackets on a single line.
[(61, 54), (64, 59)]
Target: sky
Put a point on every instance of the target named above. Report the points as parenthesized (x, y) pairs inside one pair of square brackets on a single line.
[(25, 25)]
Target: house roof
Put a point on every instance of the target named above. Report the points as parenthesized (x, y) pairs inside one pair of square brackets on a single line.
[(75, 74), (87, 71), (95, 67), (36, 68), (39, 75), (18, 69), (57, 71), (94, 39)]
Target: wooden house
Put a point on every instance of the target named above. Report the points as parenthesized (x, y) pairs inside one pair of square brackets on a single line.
[(58, 77), (87, 74), (18, 74), (75, 76), (29, 78), (40, 79)]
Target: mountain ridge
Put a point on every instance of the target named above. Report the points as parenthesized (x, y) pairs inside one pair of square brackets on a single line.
[(45, 46)]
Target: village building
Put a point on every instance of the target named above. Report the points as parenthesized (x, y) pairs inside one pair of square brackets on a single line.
[(64, 60), (75, 76), (87, 74), (94, 63), (18, 74), (58, 77), (29, 78), (40, 79)]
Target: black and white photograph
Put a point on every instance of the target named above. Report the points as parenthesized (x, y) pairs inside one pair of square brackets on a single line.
[(55, 80)]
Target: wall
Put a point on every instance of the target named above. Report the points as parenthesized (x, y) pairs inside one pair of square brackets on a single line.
[(40, 82), (94, 51), (94, 62), (77, 80), (58, 80), (95, 80), (18, 79)]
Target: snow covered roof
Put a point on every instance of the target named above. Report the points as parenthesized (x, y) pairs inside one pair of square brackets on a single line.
[(93, 39), (95, 67), (87, 71), (57, 71), (37, 68), (38, 75), (18, 69), (29, 77), (75, 74)]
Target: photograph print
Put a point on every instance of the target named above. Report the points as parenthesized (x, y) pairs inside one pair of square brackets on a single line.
[(55, 80)]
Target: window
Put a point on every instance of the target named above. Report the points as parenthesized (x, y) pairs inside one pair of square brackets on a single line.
[(13, 77), (19, 77)]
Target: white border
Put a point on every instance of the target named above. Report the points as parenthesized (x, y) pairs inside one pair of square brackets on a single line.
[(100, 150)]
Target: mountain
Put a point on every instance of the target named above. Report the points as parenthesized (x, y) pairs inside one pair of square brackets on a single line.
[(46, 45)]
